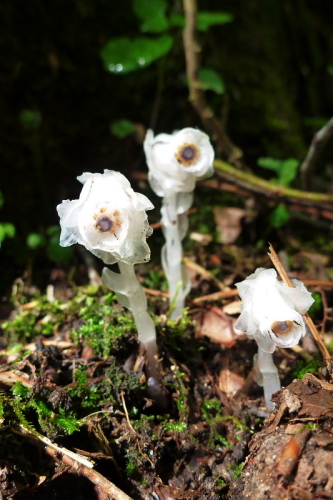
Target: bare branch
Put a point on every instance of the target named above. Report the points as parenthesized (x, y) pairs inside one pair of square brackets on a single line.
[(317, 146), (196, 93)]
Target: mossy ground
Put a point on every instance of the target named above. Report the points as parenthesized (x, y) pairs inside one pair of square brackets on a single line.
[(72, 370)]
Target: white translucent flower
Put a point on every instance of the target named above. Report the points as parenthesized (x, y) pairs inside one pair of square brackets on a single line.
[(272, 312), (178, 160), (109, 219)]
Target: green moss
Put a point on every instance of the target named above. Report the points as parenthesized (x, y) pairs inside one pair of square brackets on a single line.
[(104, 324), (88, 395), (212, 414), (182, 393), (310, 425), (63, 422), (175, 427), (237, 470), (303, 367)]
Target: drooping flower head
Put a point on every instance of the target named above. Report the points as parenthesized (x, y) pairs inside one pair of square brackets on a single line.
[(178, 160), (272, 312), (109, 219)]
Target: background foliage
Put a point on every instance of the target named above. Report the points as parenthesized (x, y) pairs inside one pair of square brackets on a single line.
[(82, 80)]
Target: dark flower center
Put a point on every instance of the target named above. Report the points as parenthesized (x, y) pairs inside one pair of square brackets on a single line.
[(282, 327), (104, 224), (188, 153)]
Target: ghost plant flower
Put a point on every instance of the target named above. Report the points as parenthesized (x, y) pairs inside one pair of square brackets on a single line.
[(175, 163), (110, 220), (272, 314)]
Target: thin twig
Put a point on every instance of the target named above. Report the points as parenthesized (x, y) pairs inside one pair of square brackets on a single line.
[(133, 430), (157, 225), (317, 146), (95, 477), (157, 293), (58, 449), (193, 266), (79, 463), (225, 294), (285, 278), (328, 284), (90, 262), (126, 414), (196, 93), (10, 378)]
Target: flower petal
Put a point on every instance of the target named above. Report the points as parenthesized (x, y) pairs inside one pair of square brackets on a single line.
[(177, 161), (109, 219), (272, 312)]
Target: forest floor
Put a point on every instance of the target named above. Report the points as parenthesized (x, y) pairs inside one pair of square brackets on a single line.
[(79, 421)]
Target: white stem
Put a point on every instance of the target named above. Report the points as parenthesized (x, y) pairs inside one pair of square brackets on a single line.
[(270, 377), (173, 225), (131, 294)]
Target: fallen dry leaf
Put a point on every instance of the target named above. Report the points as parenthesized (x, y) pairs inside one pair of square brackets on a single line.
[(204, 239), (229, 381), (170, 493), (315, 400), (234, 307), (216, 325), (228, 222)]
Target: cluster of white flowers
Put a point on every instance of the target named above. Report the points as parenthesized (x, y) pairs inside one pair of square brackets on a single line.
[(178, 160), (109, 219), (272, 312)]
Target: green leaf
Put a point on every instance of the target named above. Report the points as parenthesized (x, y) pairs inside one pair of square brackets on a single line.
[(177, 20), (60, 255), (330, 69), (211, 80), (30, 119), (288, 171), (53, 230), (122, 55), (122, 128), (279, 216), (207, 19), (152, 14), (317, 306), (315, 122), (7, 230), (35, 240), (270, 163)]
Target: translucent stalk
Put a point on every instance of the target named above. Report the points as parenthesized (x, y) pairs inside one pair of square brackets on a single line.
[(174, 225), (270, 377), (131, 295)]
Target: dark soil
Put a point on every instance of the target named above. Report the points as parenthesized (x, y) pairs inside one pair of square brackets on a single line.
[(204, 433)]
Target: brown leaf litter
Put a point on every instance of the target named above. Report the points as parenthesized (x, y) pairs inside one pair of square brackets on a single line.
[(292, 458)]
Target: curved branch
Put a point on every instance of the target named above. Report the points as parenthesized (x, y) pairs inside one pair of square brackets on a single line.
[(196, 93), (317, 146), (255, 184)]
